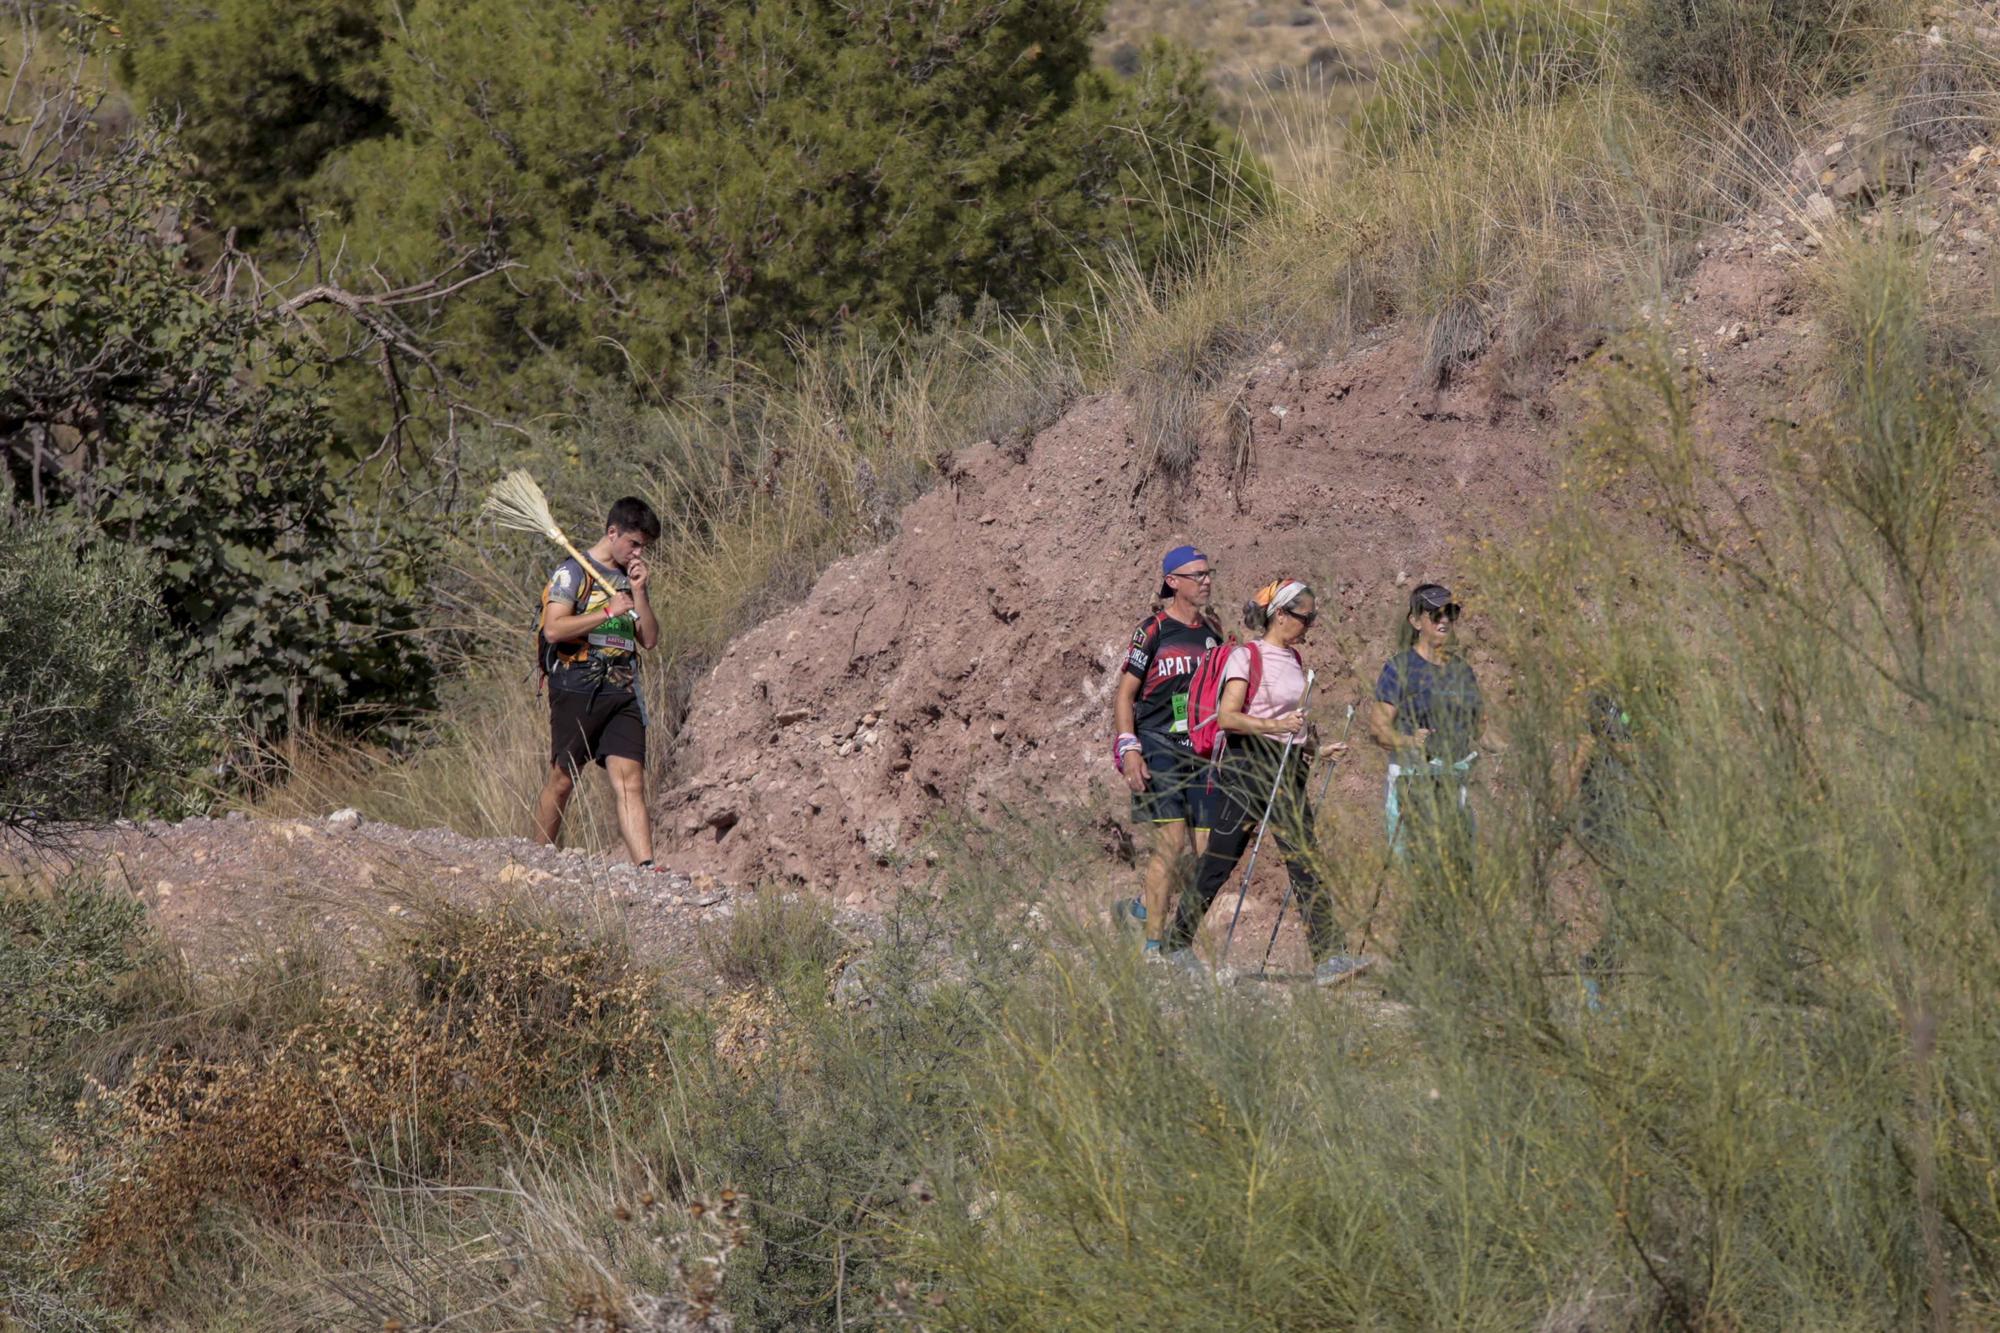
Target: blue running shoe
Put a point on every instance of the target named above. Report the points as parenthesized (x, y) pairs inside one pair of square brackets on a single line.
[(1340, 968)]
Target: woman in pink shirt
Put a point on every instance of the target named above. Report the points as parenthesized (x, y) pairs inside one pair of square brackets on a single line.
[(1261, 726)]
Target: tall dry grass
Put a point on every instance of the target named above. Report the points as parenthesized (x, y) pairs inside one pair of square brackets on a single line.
[(758, 488), (1779, 1113), (1779, 1110)]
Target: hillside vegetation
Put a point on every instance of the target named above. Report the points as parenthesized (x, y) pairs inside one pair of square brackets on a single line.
[(1780, 1111)]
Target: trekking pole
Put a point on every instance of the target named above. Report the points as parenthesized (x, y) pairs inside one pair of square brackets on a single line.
[(1286, 901), (1269, 801)]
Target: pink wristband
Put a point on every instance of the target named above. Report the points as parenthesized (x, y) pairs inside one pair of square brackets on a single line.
[(1125, 743)]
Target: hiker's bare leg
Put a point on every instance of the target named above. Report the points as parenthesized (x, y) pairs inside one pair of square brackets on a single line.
[(628, 786), (550, 804), (1164, 868)]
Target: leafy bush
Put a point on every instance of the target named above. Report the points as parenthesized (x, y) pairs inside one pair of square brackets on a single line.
[(140, 401), (97, 716), (691, 185)]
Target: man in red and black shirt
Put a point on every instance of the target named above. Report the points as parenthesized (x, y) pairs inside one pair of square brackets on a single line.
[(1151, 715)]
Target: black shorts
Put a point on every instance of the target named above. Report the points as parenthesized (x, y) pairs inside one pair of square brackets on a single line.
[(1176, 784), (586, 725)]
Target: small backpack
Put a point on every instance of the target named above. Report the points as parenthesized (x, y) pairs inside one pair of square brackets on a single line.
[(1205, 694), (544, 650)]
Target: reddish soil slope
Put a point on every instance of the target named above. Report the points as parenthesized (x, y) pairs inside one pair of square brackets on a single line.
[(969, 662)]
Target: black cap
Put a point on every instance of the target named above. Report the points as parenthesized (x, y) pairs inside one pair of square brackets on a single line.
[(1433, 597)]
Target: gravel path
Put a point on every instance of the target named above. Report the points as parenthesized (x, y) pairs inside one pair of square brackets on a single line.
[(227, 890)]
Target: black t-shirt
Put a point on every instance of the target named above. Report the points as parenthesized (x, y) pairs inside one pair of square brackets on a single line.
[(1443, 697), (1163, 656)]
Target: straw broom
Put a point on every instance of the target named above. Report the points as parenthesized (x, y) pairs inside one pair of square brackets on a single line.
[(517, 502)]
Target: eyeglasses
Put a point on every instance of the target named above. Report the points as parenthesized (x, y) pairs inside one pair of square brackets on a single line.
[(1199, 575)]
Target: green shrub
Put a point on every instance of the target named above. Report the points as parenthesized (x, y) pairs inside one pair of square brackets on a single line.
[(138, 400), (1752, 59), (97, 716)]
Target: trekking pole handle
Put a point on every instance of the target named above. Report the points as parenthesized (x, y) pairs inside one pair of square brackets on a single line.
[(1334, 762)]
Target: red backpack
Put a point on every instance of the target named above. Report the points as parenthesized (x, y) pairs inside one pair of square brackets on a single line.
[(1205, 694)]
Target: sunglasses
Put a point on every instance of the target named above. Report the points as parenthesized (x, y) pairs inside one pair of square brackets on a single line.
[(1303, 617), (1442, 613)]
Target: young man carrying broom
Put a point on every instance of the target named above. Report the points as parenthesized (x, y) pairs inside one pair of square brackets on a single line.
[(596, 618)]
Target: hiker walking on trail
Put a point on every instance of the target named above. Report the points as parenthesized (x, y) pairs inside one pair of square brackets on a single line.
[(595, 621), (1427, 715), (1261, 765), (1604, 791), (1150, 714)]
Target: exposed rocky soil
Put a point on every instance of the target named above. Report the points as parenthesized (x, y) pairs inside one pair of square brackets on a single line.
[(969, 663), (228, 890)]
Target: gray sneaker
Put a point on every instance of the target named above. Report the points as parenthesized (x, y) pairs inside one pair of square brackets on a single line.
[(1185, 961), (1128, 913), (1340, 968)]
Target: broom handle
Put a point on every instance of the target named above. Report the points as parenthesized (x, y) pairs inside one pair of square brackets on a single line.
[(585, 563)]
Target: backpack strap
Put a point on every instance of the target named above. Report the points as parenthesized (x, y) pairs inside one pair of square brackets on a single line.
[(1253, 654), (583, 590)]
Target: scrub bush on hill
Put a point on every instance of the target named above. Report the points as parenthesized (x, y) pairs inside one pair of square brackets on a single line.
[(138, 400), (688, 185), (68, 957), (478, 1028), (97, 719), (1752, 58)]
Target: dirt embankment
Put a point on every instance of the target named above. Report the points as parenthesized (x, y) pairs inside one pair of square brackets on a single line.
[(968, 664)]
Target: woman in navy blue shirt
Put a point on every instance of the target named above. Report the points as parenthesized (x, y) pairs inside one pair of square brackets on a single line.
[(1427, 714)]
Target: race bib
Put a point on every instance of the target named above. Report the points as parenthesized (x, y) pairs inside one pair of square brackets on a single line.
[(1180, 714)]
